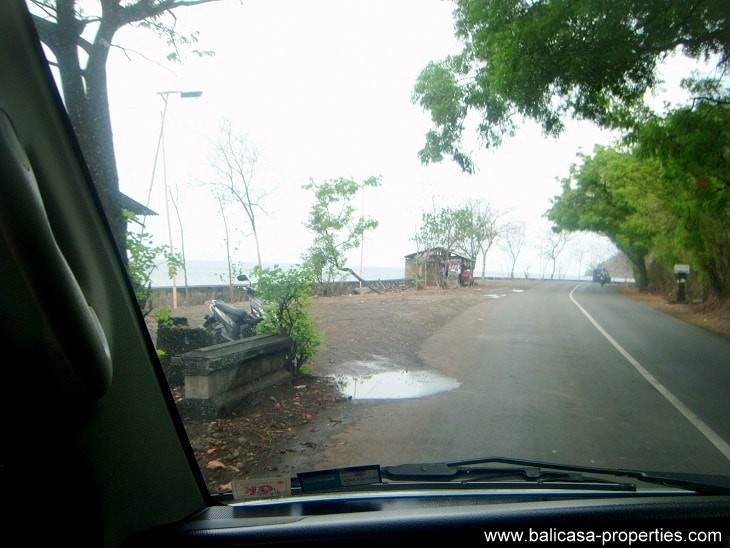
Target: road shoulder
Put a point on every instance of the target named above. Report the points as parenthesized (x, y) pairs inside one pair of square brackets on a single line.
[(712, 315)]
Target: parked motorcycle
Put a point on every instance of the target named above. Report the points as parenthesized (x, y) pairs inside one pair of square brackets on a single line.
[(230, 323), (256, 305)]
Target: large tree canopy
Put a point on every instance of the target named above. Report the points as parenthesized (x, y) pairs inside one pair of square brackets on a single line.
[(80, 36), (548, 59), (603, 194), (692, 147), (666, 194)]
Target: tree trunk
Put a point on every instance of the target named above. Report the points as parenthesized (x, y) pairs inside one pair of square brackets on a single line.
[(85, 88), (371, 286), (258, 247), (98, 146), (87, 103), (641, 276)]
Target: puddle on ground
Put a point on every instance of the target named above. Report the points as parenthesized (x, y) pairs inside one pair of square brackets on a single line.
[(394, 385)]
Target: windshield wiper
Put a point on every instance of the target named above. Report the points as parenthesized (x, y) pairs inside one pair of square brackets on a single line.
[(504, 473), (538, 472)]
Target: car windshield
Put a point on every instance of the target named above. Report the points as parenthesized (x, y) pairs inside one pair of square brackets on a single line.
[(376, 233)]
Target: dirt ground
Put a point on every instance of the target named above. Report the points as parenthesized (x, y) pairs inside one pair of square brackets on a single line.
[(268, 433), (711, 315)]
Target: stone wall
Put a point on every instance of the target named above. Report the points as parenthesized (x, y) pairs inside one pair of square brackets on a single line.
[(196, 295), (200, 294), (219, 377)]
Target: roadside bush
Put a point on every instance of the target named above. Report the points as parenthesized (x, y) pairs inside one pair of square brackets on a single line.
[(142, 258), (286, 294)]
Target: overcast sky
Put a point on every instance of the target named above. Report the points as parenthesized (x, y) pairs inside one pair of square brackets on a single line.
[(322, 89)]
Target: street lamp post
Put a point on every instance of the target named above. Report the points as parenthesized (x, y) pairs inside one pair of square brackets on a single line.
[(165, 95), (362, 236)]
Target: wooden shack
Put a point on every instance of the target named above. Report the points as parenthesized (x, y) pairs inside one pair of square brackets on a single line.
[(436, 267)]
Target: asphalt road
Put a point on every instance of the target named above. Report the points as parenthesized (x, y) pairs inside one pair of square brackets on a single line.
[(562, 372)]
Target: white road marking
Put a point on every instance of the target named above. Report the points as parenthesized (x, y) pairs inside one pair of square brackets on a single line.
[(698, 423)]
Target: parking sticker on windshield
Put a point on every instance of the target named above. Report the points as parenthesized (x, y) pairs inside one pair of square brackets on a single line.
[(341, 477), (261, 488)]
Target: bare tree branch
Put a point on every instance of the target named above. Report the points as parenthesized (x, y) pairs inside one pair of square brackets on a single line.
[(149, 9), (234, 158)]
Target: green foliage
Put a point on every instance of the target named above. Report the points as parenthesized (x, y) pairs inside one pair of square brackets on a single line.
[(324, 266), (419, 280), (691, 147), (143, 257), (336, 228), (666, 194), (286, 294), (469, 229), (230, 278), (162, 315), (447, 227), (437, 89), (543, 60), (605, 193), (482, 230), (164, 25)]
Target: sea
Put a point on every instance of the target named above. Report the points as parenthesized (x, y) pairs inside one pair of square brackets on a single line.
[(206, 273)]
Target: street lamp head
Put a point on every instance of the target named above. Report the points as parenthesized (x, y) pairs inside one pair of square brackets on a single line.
[(183, 94)]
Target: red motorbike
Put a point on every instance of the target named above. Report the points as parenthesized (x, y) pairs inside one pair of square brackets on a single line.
[(465, 278)]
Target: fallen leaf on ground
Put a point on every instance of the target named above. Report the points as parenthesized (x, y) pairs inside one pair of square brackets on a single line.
[(215, 465)]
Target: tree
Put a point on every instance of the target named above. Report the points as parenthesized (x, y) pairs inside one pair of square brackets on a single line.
[(689, 147), (664, 193), (471, 239), (606, 194), (512, 242), (578, 249), (335, 227), (553, 244), (427, 234), (227, 241), (484, 230), (469, 229), (234, 159), (447, 229), (548, 59), (80, 39)]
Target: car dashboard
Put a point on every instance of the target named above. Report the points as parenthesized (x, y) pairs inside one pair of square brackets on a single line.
[(502, 518)]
